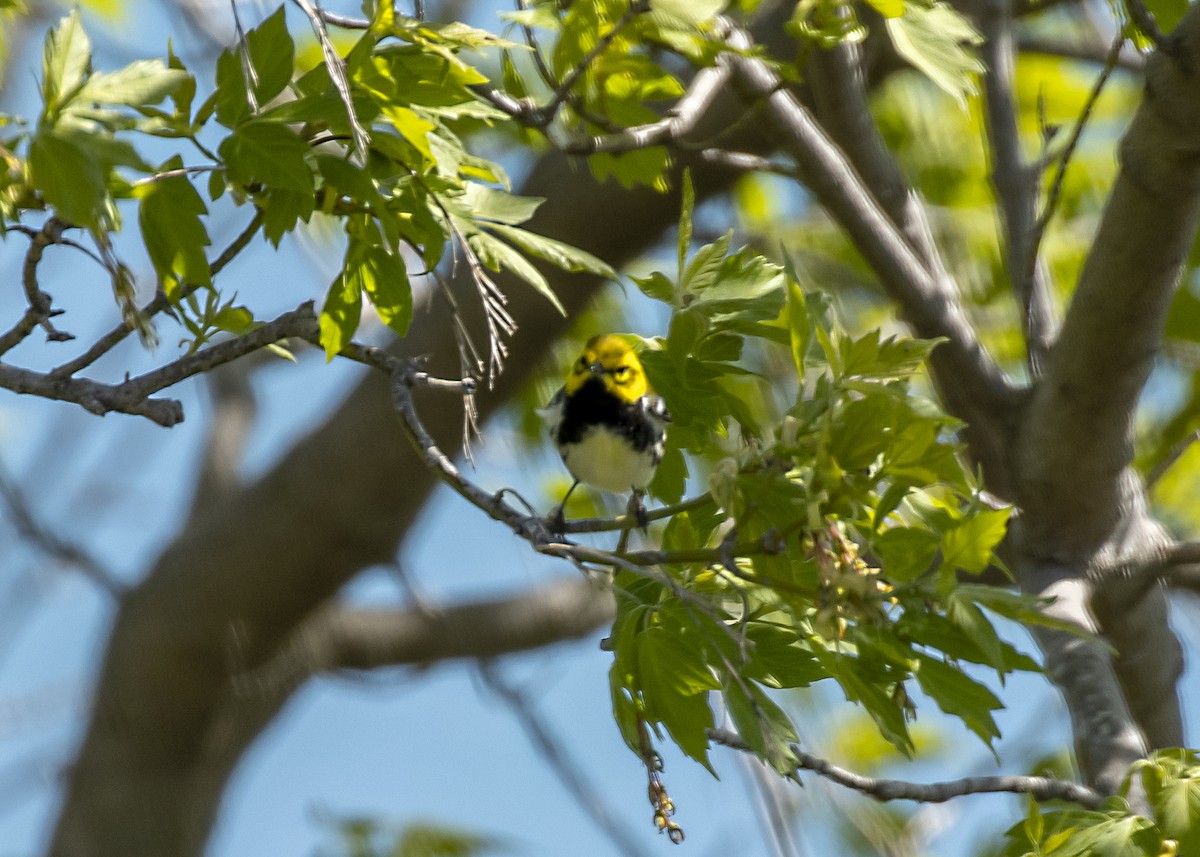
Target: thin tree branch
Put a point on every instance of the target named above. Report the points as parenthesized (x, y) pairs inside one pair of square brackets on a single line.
[(839, 89), (40, 307), (1064, 161), (1173, 455), (590, 800), (300, 322), (337, 73), (1014, 180), (1039, 788), (678, 122), (92, 396), (133, 396), (548, 111), (629, 522), (1076, 441), (159, 303), (30, 528), (1092, 52), (973, 386)]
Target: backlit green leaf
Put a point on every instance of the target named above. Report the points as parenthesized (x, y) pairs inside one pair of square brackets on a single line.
[(938, 40), (272, 56), (142, 82), (169, 215), (269, 153), (69, 178), (340, 315), (555, 252), (66, 61)]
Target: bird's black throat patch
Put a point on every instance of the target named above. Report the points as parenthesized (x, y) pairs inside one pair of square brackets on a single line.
[(593, 405)]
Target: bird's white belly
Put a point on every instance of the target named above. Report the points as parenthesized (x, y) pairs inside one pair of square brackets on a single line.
[(605, 460)]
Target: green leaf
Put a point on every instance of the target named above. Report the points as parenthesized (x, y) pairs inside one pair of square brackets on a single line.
[(140, 83), (972, 622), (555, 252), (688, 203), (169, 215), (1176, 801), (674, 681), (382, 276), (66, 61), (496, 255), (799, 326), (282, 209), (657, 286), (906, 553), (777, 658), (763, 725), (701, 272), (232, 103), (969, 545), (960, 696), (272, 56), (269, 153), (630, 169), (860, 685), (183, 94), (340, 315), (487, 203), (932, 38), (691, 11), (69, 178), (670, 479), (412, 128)]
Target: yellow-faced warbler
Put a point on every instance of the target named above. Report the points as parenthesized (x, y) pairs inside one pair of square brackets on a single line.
[(608, 425)]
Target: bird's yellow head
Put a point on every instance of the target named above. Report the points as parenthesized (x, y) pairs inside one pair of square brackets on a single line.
[(613, 361)]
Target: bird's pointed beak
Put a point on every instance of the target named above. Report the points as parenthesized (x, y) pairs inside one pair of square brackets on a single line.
[(597, 369)]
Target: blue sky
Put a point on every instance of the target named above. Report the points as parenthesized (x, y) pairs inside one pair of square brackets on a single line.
[(401, 746)]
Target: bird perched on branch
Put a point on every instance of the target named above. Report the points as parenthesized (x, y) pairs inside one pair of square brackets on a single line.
[(608, 425)]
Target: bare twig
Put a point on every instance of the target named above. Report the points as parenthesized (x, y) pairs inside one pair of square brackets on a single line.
[(337, 73), (590, 800), (159, 303), (629, 522), (40, 308), (343, 21), (1144, 20), (678, 122), (1092, 52), (1015, 183), (548, 110), (29, 527), (745, 161), (1064, 161), (1039, 788), (1173, 455), (301, 322)]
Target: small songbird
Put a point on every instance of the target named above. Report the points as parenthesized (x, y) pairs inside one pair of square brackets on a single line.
[(608, 425)]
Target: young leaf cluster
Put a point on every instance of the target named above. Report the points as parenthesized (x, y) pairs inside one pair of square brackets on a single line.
[(843, 523), (1171, 780), (373, 141)]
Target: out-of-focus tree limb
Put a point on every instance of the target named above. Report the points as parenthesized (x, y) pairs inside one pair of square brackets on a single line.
[(1083, 506), (240, 579), (338, 637), (973, 386)]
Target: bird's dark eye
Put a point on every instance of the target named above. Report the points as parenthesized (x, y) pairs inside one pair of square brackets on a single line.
[(621, 372), (581, 366)]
